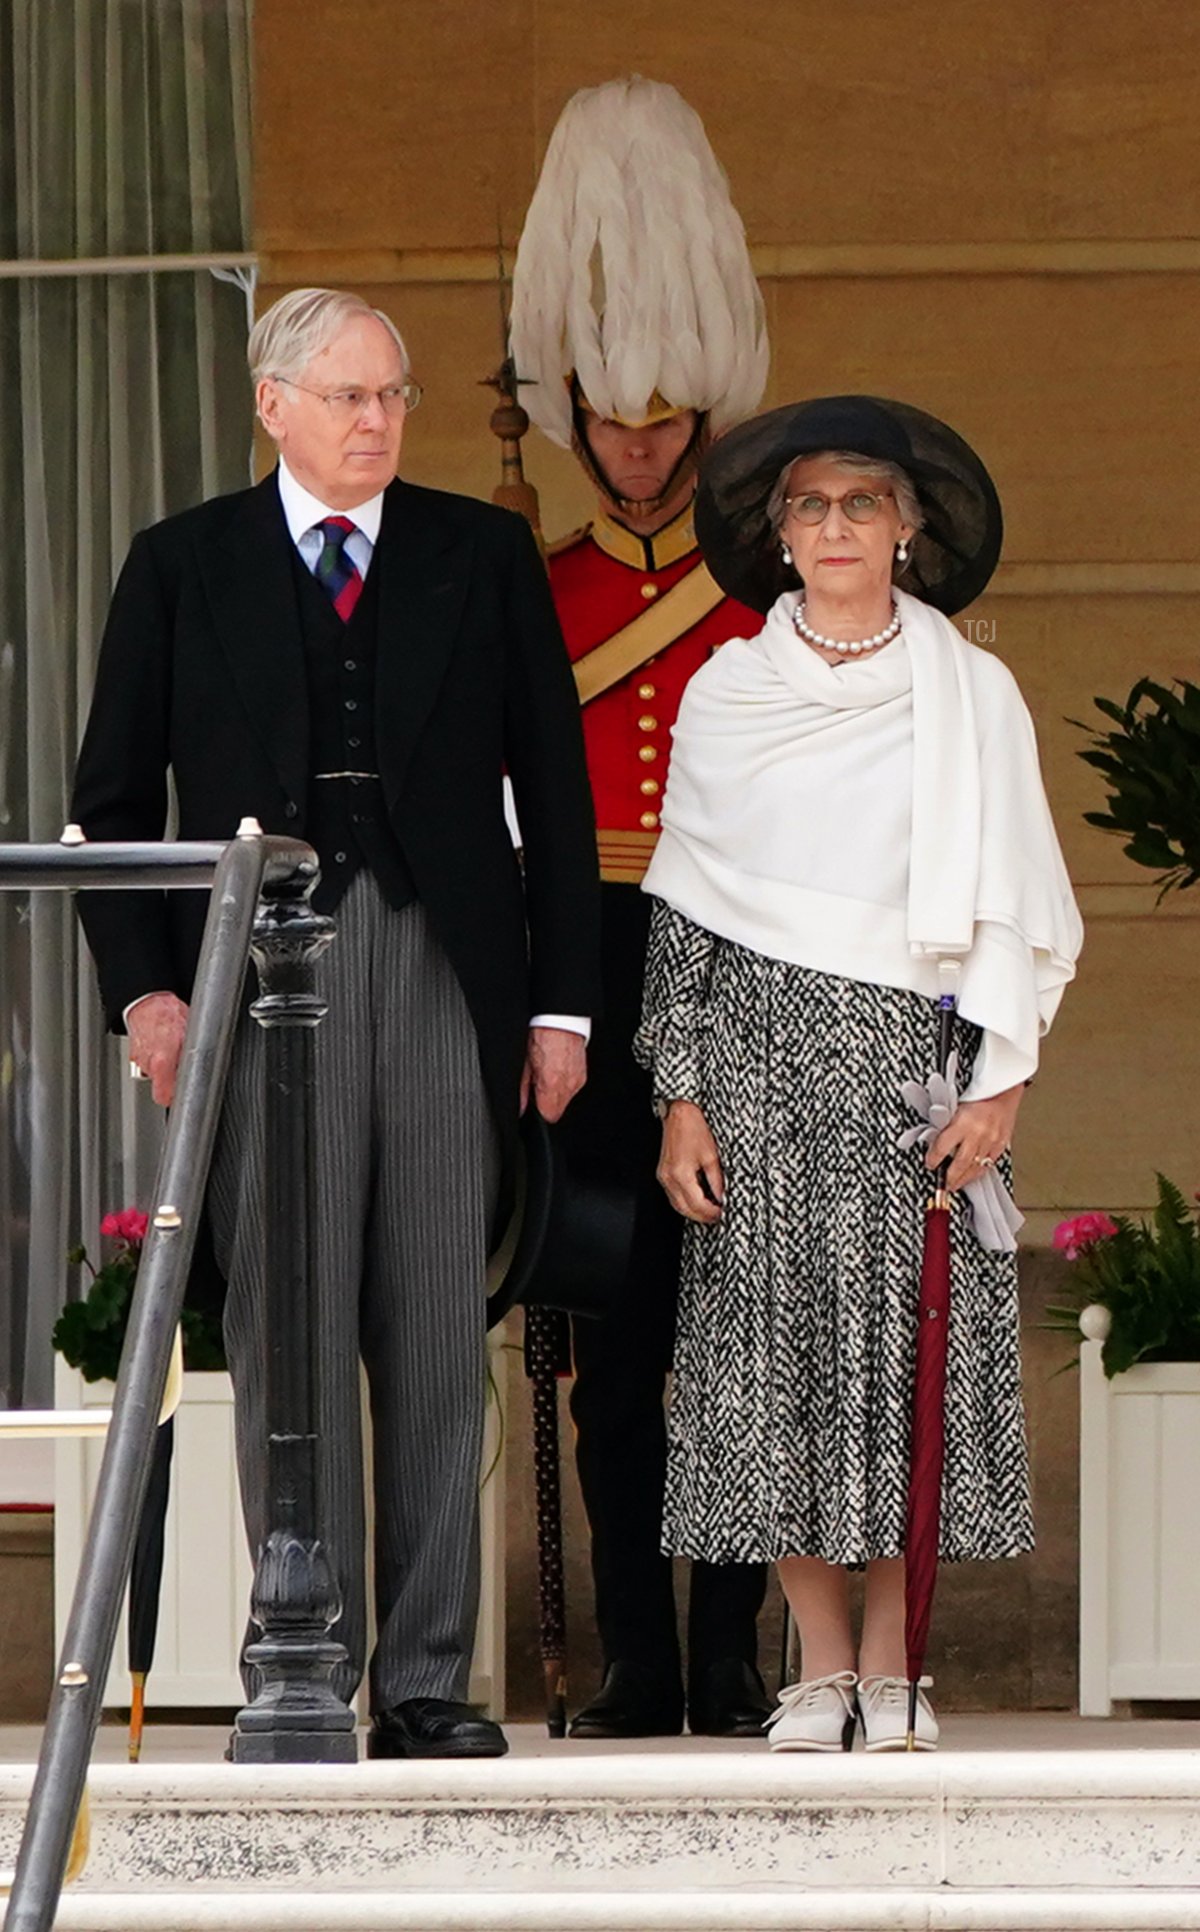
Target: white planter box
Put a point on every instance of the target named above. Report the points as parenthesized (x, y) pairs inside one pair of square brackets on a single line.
[(206, 1568), (1139, 1532)]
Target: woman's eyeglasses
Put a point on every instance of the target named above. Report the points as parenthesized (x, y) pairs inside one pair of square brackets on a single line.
[(861, 506)]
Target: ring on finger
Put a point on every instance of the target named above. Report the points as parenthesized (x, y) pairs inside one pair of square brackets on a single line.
[(984, 1160)]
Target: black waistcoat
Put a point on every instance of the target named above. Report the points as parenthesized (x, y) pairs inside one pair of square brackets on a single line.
[(347, 823)]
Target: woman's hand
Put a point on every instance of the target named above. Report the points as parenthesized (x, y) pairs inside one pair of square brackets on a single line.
[(977, 1136), (689, 1166)]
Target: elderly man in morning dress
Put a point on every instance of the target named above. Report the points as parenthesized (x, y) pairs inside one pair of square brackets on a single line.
[(854, 794), (355, 660)]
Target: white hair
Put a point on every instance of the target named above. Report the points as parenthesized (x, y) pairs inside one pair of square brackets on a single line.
[(633, 269), (851, 463), (298, 326)]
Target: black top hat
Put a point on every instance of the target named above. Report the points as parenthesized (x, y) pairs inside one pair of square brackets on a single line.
[(952, 556), (567, 1243)]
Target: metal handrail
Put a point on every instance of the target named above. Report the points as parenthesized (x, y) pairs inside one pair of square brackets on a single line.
[(237, 873)]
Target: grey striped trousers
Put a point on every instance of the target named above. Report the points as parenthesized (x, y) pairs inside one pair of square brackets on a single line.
[(406, 1176)]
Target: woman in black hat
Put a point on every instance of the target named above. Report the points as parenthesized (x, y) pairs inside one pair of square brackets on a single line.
[(854, 797)]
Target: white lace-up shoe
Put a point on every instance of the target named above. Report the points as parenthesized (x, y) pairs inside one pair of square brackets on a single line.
[(883, 1705), (819, 1715)]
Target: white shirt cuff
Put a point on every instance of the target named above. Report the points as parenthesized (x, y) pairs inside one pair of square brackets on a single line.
[(565, 1022), (137, 1002)]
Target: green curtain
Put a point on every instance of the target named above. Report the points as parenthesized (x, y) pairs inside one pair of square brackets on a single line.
[(124, 131)]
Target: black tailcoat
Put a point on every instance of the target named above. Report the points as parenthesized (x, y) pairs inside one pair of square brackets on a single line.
[(202, 673)]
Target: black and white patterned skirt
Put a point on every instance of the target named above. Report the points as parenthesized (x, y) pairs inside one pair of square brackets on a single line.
[(789, 1421)]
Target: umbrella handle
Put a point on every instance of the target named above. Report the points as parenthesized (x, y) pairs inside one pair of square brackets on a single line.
[(910, 1741), (948, 972), (137, 1714)]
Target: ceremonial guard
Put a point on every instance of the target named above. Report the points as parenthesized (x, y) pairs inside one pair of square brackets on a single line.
[(637, 334)]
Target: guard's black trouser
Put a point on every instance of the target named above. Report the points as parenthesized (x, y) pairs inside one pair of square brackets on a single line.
[(621, 1362)]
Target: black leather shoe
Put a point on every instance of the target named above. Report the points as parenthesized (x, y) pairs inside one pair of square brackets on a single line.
[(433, 1727), (635, 1700), (727, 1699)]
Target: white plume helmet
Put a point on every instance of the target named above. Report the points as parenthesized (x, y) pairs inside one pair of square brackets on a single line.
[(632, 268)]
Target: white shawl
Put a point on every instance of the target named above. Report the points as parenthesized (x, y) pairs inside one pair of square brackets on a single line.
[(867, 818)]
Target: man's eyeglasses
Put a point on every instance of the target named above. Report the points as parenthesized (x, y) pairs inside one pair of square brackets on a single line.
[(861, 506), (347, 404)]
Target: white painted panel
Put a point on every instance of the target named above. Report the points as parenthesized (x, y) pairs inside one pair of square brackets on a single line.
[(1167, 1680), (26, 1471), (1179, 1532), (201, 1632), (1134, 1543)]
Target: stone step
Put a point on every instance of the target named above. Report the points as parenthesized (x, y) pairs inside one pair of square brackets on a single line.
[(634, 1834), (1131, 1909)]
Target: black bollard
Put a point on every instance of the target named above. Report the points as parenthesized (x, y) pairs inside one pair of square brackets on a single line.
[(297, 1717)]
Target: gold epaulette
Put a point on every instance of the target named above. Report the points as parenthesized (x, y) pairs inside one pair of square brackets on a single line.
[(568, 542)]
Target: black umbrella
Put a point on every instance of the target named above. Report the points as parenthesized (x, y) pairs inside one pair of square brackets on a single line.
[(145, 1580)]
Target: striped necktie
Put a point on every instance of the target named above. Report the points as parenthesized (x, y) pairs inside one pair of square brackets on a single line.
[(335, 571)]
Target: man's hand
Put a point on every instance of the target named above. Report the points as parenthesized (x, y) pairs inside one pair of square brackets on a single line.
[(977, 1136), (689, 1167), (555, 1069), (156, 1026)]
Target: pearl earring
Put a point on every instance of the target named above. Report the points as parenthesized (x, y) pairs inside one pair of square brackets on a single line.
[(785, 553), (902, 552)]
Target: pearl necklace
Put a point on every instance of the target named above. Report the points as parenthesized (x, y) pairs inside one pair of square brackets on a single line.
[(844, 645)]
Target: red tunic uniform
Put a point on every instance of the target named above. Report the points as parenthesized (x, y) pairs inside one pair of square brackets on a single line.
[(604, 578)]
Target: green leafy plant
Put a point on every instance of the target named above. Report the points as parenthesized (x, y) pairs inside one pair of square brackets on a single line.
[(1151, 765), (90, 1333), (1135, 1284)]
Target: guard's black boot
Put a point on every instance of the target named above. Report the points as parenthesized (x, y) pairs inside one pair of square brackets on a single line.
[(635, 1700)]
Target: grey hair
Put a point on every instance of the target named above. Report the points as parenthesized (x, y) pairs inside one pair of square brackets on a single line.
[(850, 461), (298, 326)]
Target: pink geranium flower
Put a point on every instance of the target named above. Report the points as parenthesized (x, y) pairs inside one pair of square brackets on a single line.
[(1083, 1231), (129, 1226)]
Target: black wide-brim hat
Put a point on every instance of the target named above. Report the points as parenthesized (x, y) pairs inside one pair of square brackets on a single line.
[(568, 1240), (950, 559)]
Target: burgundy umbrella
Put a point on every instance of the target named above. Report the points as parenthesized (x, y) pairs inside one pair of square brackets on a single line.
[(928, 1439)]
